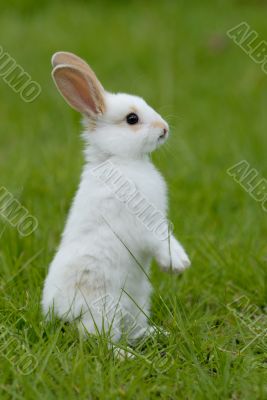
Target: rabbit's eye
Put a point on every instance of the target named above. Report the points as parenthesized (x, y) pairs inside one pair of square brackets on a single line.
[(132, 118)]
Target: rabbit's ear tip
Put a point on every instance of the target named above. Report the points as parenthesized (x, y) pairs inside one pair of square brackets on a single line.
[(59, 57), (53, 58)]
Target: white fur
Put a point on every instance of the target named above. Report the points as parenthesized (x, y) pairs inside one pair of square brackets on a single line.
[(104, 247)]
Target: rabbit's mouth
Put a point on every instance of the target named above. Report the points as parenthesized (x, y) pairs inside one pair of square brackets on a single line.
[(163, 137)]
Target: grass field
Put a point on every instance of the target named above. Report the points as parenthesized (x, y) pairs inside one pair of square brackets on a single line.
[(178, 57)]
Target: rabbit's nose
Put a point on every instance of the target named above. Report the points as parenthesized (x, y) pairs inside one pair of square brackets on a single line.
[(165, 130), (164, 133)]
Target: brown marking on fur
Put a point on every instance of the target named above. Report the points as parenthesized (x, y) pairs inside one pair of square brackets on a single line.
[(159, 124), (134, 110), (135, 127)]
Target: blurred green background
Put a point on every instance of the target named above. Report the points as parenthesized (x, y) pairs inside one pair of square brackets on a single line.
[(176, 55)]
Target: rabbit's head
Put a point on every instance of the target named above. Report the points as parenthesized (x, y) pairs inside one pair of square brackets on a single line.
[(116, 124)]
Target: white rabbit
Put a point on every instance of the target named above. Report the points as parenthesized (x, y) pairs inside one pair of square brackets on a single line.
[(100, 273)]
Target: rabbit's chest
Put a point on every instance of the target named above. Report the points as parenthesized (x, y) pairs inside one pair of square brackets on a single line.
[(149, 188)]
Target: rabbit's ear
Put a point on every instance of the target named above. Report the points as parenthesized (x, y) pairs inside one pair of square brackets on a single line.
[(80, 88), (64, 57)]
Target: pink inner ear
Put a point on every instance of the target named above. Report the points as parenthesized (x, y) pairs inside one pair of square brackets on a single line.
[(76, 89)]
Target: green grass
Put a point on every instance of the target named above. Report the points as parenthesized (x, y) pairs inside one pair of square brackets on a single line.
[(215, 99)]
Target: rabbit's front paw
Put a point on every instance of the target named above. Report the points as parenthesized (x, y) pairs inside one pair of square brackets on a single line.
[(174, 258)]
